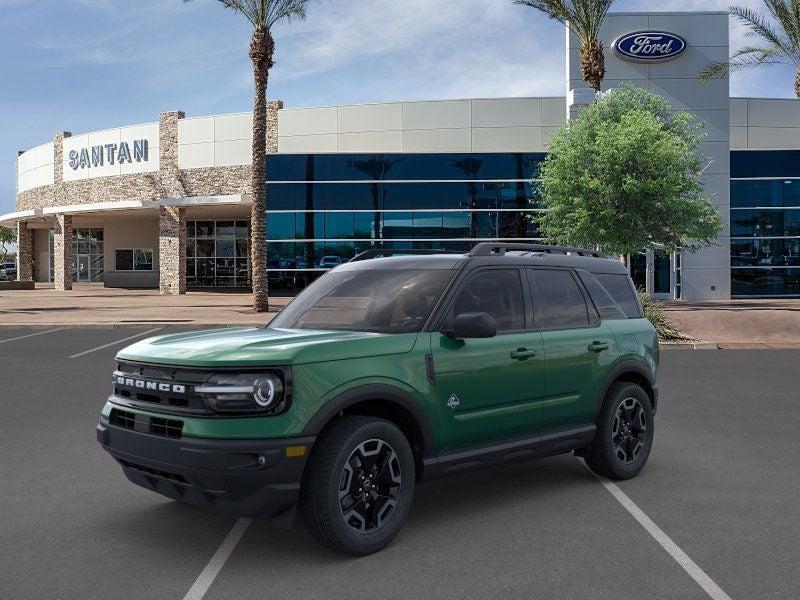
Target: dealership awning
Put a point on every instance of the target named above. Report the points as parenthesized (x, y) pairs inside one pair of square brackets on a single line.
[(10, 219)]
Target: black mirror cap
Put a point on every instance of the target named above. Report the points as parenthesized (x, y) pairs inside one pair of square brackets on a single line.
[(472, 325)]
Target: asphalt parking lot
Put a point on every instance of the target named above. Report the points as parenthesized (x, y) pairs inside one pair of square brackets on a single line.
[(722, 483)]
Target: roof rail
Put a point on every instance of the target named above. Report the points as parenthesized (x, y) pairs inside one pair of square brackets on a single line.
[(500, 248), (383, 252)]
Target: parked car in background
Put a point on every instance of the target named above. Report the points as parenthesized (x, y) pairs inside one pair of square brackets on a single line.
[(328, 262), (8, 271)]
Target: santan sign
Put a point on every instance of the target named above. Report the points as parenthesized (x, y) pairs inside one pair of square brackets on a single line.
[(649, 46), (97, 156)]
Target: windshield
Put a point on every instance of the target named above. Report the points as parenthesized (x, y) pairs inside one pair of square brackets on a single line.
[(390, 301)]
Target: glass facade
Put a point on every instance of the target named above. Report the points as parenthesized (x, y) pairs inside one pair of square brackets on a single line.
[(765, 223), (326, 208), (217, 254)]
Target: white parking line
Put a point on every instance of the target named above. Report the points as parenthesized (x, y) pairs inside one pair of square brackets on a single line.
[(687, 564), (214, 566), (114, 343), (22, 337)]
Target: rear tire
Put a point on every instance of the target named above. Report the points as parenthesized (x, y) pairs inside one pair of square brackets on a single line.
[(624, 435), (358, 487)]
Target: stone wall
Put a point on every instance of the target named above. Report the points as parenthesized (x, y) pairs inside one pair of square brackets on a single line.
[(62, 253), (24, 252), (172, 250)]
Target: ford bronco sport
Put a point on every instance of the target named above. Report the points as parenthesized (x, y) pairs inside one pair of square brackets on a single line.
[(385, 372)]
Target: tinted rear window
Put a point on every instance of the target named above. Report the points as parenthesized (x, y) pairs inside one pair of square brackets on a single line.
[(621, 290), (558, 300), (605, 304)]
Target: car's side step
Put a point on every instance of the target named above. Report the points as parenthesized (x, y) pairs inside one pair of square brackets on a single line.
[(545, 444)]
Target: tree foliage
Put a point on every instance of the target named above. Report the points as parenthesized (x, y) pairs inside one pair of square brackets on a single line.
[(626, 175), (8, 236), (778, 40), (584, 19)]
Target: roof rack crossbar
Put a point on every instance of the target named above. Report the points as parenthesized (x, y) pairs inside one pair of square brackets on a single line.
[(381, 252), (500, 248)]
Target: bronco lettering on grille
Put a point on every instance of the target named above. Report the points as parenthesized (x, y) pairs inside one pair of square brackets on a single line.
[(155, 386)]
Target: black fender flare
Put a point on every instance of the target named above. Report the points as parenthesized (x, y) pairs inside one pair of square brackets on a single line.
[(375, 391), (623, 368)]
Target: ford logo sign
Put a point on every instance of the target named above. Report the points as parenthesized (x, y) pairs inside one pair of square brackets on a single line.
[(649, 46)]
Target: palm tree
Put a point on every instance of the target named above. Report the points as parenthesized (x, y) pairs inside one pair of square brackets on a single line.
[(584, 19), (780, 41), (262, 15)]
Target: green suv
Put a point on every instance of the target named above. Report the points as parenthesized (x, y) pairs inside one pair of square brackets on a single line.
[(385, 372)]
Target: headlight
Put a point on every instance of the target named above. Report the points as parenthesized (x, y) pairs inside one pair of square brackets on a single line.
[(243, 392)]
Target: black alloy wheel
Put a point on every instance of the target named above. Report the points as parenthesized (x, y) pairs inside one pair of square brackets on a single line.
[(358, 485), (370, 485), (624, 435), (629, 432)]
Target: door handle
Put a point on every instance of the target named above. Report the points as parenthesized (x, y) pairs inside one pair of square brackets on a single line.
[(598, 346), (522, 354)]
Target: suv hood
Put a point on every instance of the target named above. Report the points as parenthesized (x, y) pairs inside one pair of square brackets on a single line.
[(261, 346)]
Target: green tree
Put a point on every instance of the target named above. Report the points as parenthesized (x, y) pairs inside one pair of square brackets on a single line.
[(263, 15), (778, 37), (7, 236), (584, 19), (626, 175)]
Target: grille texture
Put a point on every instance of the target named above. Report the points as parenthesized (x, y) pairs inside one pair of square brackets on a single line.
[(172, 428), (157, 472), (122, 418)]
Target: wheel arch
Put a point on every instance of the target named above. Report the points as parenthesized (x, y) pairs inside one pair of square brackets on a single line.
[(633, 372), (386, 402)]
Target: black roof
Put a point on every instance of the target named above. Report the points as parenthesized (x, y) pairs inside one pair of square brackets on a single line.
[(500, 254)]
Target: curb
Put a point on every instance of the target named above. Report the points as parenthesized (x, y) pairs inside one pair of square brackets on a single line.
[(118, 325), (689, 345)]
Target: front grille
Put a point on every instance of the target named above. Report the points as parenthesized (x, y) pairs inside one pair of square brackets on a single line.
[(166, 427), (157, 472), (171, 389), (171, 428), (122, 418)]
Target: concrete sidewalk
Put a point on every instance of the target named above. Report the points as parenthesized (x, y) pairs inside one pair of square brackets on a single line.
[(93, 305), (740, 323)]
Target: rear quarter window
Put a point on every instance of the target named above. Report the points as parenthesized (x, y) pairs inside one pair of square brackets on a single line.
[(620, 288), (607, 307)]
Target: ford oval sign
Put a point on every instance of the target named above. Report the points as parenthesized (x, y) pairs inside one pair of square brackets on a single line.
[(649, 46)]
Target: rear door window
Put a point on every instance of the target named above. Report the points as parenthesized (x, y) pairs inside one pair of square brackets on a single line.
[(558, 300), (618, 285)]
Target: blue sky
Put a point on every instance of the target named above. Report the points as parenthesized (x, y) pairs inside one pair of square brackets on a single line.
[(84, 65)]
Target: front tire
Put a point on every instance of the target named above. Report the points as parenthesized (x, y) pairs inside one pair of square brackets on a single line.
[(624, 435), (358, 486)]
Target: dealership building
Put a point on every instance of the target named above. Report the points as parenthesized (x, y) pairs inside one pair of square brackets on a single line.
[(167, 204)]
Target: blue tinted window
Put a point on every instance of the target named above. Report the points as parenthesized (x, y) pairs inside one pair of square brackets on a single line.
[(791, 222), (339, 225), (765, 282), (367, 226), (768, 193), (427, 224), (339, 196), (280, 226), (309, 225), (742, 222), (741, 194), (396, 196), (456, 224), (455, 195), (282, 196), (281, 167), (742, 164), (426, 195), (768, 163), (464, 166), (398, 225), (791, 192), (367, 196), (426, 166)]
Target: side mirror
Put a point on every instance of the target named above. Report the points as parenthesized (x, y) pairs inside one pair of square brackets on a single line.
[(472, 325)]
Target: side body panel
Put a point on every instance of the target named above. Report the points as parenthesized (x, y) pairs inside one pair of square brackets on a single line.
[(483, 394), (575, 374)]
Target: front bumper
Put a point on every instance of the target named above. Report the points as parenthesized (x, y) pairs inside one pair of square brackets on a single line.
[(248, 478)]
